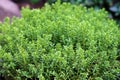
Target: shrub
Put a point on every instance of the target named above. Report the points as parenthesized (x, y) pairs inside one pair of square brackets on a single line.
[(59, 42), (112, 6)]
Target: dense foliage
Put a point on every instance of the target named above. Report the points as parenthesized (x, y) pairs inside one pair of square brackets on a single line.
[(110, 5), (59, 42)]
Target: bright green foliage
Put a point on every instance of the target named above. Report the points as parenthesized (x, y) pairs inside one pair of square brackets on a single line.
[(59, 42), (113, 6)]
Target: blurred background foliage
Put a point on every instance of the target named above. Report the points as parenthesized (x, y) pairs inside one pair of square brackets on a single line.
[(34, 1)]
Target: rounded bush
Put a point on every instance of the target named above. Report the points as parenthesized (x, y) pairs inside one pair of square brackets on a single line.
[(59, 42)]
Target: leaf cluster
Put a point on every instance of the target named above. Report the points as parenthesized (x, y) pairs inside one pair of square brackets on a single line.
[(112, 6), (59, 42)]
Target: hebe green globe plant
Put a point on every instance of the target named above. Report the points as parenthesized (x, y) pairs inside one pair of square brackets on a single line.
[(59, 42)]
